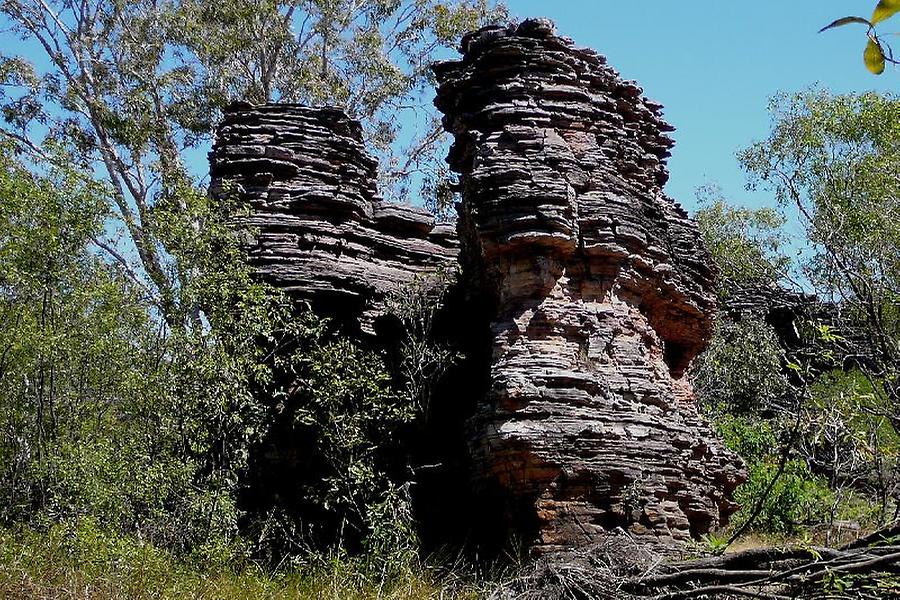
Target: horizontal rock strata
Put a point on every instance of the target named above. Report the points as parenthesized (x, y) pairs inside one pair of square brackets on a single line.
[(589, 291), (601, 295), (321, 231)]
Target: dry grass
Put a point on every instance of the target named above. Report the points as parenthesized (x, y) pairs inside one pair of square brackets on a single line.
[(832, 535)]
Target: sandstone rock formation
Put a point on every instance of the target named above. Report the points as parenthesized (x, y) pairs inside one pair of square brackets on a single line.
[(600, 295), (588, 290), (323, 234)]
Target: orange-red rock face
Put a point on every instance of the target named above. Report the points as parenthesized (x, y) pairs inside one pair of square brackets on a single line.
[(601, 294)]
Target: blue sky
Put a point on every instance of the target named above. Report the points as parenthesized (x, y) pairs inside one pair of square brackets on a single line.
[(715, 63)]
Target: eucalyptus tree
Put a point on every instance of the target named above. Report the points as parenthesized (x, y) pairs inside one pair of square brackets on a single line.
[(117, 98), (747, 245), (130, 88), (833, 160), (90, 421)]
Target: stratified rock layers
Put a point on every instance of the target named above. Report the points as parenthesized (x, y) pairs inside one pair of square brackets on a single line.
[(600, 291), (322, 233), (589, 287)]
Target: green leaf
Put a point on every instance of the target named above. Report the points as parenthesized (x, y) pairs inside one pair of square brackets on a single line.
[(846, 21), (874, 57), (885, 10)]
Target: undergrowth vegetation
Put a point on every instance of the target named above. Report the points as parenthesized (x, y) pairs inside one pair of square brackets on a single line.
[(136, 456), (84, 562), (162, 410), (806, 390)]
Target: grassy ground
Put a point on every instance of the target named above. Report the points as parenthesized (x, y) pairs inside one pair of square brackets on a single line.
[(84, 563), (81, 565)]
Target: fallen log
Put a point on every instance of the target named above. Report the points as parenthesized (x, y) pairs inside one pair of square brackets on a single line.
[(868, 568)]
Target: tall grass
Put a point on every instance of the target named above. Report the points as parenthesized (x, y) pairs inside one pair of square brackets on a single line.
[(83, 562)]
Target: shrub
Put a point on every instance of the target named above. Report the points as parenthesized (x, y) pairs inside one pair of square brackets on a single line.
[(148, 426), (798, 497), (742, 371)]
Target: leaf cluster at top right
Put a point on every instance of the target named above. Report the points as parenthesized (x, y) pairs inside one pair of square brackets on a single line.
[(878, 52)]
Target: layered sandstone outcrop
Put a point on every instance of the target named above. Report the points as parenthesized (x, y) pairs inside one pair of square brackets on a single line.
[(321, 231), (600, 293), (588, 290)]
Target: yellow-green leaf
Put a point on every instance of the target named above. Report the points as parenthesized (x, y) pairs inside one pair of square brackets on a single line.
[(874, 57), (885, 10), (845, 21)]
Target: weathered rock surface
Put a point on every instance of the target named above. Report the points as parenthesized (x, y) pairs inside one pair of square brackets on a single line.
[(783, 309), (600, 293), (588, 290), (323, 234)]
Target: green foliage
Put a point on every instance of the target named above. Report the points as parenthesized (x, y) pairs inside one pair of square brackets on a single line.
[(348, 410), (746, 244), (798, 497), (843, 457), (852, 395), (107, 414), (715, 544), (753, 439), (80, 560), (129, 87), (372, 58), (827, 399), (422, 362), (842, 465), (845, 21), (102, 414), (833, 160), (742, 371), (849, 585), (849, 437), (873, 57), (143, 367), (739, 380), (885, 10)]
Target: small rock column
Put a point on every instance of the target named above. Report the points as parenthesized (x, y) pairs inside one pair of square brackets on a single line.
[(321, 231)]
